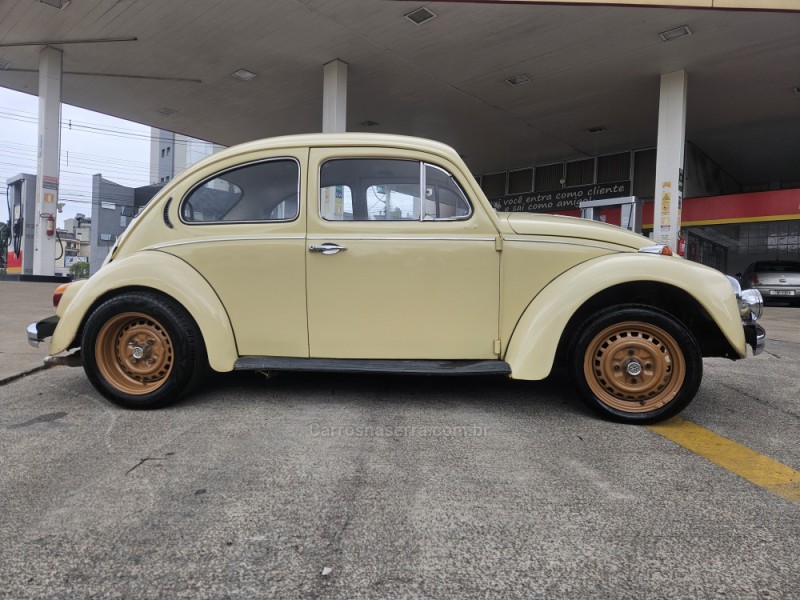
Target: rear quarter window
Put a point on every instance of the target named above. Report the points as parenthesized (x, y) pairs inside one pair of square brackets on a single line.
[(262, 191)]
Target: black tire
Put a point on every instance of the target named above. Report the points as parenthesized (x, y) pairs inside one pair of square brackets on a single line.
[(142, 350), (635, 364)]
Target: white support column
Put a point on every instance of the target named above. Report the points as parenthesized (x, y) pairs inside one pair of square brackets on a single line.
[(334, 97), (44, 246), (669, 159)]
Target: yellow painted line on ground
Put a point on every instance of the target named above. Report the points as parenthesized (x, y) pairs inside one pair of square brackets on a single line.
[(756, 468), (707, 4)]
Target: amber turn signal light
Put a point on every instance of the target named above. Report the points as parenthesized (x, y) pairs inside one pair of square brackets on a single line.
[(58, 293)]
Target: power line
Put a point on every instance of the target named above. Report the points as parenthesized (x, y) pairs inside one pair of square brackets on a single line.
[(16, 146), (82, 177), (35, 116), (89, 168), (79, 168), (94, 128)]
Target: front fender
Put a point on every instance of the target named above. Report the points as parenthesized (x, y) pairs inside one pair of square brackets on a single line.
[(535, 339), (163, 273)]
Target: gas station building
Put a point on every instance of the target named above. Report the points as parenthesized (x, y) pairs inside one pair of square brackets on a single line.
[(692, 106)]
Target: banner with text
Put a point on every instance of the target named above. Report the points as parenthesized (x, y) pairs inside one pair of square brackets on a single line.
[(563, 199)]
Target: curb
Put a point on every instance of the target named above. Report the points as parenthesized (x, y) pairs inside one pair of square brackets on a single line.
[(11, 378)]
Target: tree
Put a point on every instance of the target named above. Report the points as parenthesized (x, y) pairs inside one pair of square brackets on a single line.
[(79, 270)]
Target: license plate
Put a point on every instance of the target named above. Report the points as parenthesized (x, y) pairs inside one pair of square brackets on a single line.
[(781, 292)]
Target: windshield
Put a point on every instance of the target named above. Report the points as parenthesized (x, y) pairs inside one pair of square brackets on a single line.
[(777, 267)]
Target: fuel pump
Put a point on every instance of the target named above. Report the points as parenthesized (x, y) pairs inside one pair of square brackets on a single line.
[(21, 197), (17, 232)]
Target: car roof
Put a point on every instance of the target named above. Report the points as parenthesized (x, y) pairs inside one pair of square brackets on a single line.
[(765, 264), (343, 139)]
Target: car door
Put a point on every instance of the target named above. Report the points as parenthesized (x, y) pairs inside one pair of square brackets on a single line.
[(400, 264), (243, 230)]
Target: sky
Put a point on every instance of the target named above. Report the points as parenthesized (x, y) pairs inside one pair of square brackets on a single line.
[(90, 143)]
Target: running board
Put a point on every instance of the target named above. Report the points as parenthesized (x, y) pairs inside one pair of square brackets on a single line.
[(347, 365)]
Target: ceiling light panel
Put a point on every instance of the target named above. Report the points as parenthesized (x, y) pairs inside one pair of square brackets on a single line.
[(518, 80), (244, 75), (674, 34), (420, 16), (59, 4)]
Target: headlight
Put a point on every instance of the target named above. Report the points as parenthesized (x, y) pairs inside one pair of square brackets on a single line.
[(754, 304), (737, 288), (751, 304)]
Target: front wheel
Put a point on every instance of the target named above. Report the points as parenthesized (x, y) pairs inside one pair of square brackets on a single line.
[(635, 364), (142, 350)]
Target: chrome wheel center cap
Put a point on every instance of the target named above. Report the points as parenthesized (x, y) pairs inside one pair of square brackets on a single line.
[(634, 369), (137, 352)]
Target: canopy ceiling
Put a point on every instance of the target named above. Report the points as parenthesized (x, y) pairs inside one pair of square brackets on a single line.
[(591, 66)]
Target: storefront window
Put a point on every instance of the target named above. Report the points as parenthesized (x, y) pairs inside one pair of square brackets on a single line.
[(743, 243)]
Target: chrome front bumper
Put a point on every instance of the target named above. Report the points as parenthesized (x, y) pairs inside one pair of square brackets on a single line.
[(751, 306), (38, 332), (756, 337)]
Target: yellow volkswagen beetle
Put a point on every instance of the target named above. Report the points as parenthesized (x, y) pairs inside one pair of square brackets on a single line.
[(357, 252)]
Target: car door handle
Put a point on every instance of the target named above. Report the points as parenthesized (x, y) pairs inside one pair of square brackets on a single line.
[(326, 248)]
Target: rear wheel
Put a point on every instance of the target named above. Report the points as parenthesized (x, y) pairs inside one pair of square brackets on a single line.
[(635, 364), (142, 350)]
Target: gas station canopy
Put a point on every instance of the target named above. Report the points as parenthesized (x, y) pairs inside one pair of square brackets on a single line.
[(594, 72)]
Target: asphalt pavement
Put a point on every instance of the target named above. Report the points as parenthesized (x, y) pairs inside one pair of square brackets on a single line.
[(340, 486), (22, 303)]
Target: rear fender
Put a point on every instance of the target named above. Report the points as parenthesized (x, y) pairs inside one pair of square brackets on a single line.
[(160, 272)]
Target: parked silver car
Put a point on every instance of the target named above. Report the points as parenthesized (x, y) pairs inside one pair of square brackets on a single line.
[(775, 279)]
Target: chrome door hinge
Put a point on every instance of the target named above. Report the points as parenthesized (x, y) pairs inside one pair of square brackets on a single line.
[(497, 347)]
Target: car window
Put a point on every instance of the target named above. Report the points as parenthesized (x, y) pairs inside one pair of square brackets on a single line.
[(371, 189), (444, 198), (263, 191), (777, 267)]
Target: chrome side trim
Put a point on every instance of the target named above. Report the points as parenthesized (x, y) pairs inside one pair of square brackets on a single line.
[(316, 237), (261, 238), (399, 238), (575, 243)]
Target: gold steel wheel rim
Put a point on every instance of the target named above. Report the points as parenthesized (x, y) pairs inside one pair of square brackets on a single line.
[(634, 367), (134, 353)]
